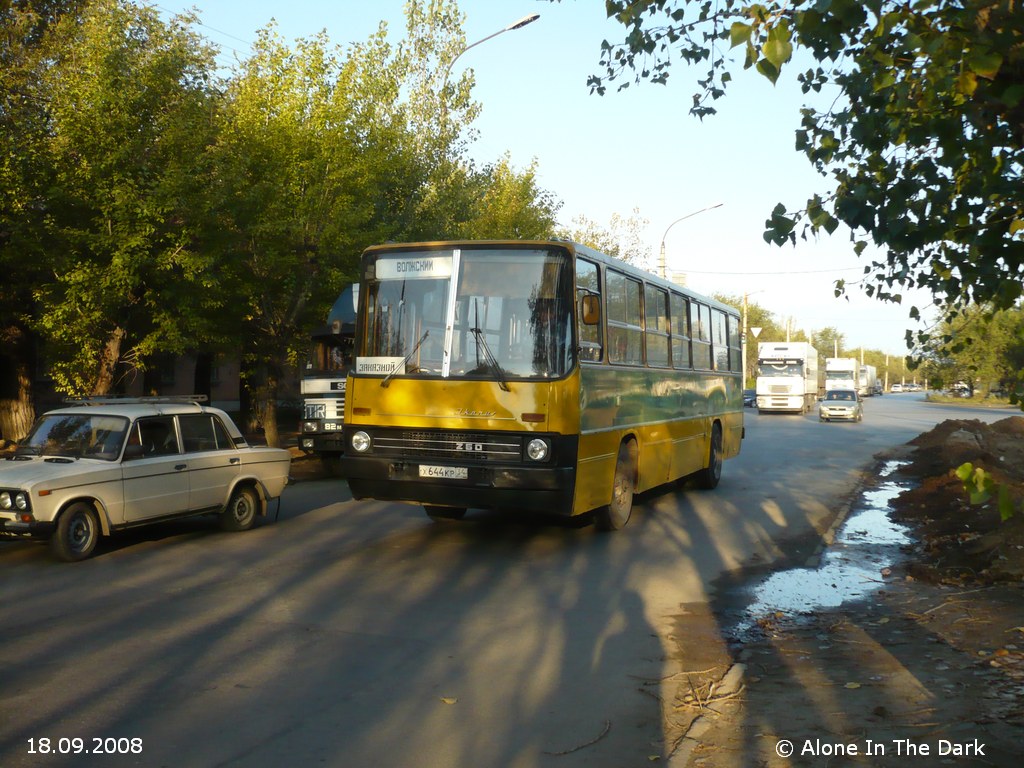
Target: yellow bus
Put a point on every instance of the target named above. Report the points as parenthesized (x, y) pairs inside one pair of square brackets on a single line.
[(534, 375)]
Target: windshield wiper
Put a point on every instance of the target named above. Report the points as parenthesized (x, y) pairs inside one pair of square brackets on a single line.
[(406, 359), (492, 361)]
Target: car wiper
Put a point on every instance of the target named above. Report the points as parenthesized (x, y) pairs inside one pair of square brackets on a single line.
[(384, 382), (481, 341)]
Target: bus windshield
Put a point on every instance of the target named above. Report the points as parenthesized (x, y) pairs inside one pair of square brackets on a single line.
[(509, 312)]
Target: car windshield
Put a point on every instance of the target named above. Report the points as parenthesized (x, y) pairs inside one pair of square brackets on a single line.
[(508, 316), (76, 435), (840, 395)]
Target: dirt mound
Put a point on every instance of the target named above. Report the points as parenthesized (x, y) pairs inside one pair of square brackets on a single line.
[(960, 541)]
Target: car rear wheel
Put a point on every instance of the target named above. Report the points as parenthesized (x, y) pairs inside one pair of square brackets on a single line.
[(240, 514), (78, 530)]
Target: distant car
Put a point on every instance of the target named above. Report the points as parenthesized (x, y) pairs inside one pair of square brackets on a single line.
[(896, 388), (842, 404), (113, 463), (749, 398)]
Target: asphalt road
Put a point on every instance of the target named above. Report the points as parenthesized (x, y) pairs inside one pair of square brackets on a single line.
[(363, 634)]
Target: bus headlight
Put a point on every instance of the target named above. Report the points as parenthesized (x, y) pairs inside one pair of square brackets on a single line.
[(538, 449), (360, 442)]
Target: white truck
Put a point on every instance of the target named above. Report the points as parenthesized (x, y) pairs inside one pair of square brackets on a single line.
[(841, 373), (866, 381), (324, 379), (787, 376)]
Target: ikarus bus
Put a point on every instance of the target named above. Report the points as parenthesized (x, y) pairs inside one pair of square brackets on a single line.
[(539, 376)]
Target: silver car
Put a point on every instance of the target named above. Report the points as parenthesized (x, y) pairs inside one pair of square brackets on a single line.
[(842, 404), (114, 463)]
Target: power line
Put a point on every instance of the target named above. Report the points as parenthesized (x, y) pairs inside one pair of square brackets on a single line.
[(794, 272)]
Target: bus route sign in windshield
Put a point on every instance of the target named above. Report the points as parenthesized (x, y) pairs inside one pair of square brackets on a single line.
[(415, 268)]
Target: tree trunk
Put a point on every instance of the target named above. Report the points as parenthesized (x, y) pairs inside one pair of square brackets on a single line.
[(16, 410), (202, 379), (109, 358)]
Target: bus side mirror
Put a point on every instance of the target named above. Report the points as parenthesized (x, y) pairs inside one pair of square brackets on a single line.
[(590, 309)]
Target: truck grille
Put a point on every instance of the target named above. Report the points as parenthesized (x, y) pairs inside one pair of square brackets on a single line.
[(454, 446)]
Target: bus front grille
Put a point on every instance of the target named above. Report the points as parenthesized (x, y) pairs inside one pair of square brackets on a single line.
[(453, 446)]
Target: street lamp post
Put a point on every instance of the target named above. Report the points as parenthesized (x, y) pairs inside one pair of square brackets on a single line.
[(529, 19), (661, 256), (743, 336)]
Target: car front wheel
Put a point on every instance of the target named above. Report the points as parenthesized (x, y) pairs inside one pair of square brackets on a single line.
[(78, 530), (240, 513)]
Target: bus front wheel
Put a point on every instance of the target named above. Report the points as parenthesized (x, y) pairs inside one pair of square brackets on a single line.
[(615, 516), (708, 477)]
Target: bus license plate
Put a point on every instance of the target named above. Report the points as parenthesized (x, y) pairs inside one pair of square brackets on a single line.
[(447, 473)]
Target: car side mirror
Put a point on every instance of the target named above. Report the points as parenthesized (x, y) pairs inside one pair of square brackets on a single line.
[(590, 309), (132, 452)]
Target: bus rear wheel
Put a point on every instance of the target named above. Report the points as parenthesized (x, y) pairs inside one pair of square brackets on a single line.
[(708, 477), (444, 513), (615, 516)]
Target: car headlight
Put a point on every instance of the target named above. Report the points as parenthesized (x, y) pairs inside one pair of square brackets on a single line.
[(21, 501), (5, 500), (360, 442), (537, 449)]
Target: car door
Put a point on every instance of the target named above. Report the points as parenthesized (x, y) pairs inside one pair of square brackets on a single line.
[(154, 472), (213, 460)]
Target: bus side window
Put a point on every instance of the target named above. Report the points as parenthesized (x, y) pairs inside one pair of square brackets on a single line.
[(720, 340), (656, 327), (680, 324), (735, 348), (625, 320), (700, 330), (587, 283)]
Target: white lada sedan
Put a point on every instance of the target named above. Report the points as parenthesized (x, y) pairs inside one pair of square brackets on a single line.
[(107, 464)]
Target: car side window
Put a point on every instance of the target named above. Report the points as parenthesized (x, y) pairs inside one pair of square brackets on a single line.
[(158, 436), (203, 432)]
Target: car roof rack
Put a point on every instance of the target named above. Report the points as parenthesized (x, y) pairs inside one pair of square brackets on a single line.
[(130, 400)]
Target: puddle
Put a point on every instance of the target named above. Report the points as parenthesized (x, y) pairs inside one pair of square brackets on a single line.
[(866, 543)]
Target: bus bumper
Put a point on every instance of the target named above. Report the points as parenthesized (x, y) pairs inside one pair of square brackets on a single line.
[(537, 489)]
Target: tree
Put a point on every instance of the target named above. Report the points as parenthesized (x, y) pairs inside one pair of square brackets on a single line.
[(128, 105), (980, 347), (26, 44), (921, 132), (827, 341), (509, 205), (320, 153), (623, 237)]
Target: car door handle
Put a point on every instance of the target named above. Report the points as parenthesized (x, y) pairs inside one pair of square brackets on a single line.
[(180, 467), (236, 460)]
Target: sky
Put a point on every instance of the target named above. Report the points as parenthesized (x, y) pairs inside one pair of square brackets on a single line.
[(631, 150)]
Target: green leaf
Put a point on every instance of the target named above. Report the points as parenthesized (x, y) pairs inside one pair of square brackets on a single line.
[(768, 69), (984, 63), (739, 33), (1006, 506), (778, 49), (964, 471)]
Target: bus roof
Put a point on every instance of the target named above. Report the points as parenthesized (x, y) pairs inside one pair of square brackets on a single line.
[(568, 245)]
